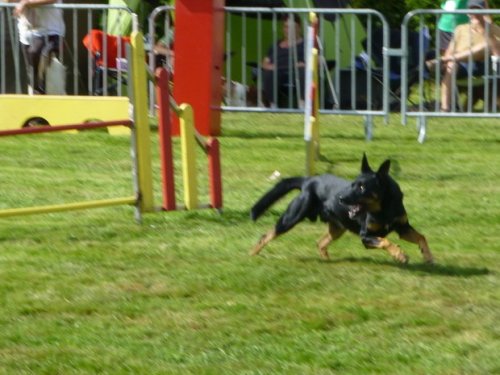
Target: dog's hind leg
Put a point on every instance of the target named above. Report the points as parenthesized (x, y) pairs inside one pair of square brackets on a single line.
[(334, 232), (297, 210), (264, 240), (411, 235)]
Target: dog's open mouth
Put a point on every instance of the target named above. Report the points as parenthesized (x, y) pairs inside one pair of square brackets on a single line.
[(354, 210)]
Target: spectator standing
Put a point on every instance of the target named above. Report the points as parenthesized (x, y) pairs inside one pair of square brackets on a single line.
[(448, 21), (278, 67), (41, 33)]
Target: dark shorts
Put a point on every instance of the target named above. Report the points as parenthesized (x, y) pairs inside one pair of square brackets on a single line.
[(32, 54), (476, 67), (444, 39)]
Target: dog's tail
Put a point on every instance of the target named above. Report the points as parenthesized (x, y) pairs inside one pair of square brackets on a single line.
[(278, 191)]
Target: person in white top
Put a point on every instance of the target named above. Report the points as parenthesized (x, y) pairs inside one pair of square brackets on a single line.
[(41, 32)]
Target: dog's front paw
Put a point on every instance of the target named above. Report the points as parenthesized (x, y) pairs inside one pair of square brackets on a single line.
[(402, 258), (429, 260), (323, 253)]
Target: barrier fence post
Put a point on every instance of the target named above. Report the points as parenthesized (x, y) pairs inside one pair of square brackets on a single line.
[(165, 135)]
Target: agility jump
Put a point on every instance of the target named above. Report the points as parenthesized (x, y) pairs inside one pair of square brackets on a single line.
[(141, 147), (311, 112), (141, 140), (131, 200), (140, 144), (189, 138)]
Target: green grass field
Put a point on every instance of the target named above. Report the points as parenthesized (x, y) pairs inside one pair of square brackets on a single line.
[(94, 292)]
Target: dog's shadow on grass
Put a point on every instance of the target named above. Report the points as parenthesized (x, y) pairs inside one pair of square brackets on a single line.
[(433, 269)]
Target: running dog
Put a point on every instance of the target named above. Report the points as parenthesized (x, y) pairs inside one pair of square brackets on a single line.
[(371, 206)]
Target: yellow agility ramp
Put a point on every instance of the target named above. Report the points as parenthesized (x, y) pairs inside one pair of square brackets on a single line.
[(18, 110)]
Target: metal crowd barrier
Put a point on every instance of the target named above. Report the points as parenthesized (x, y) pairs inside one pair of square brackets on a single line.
[(160, 39), (354, 69), (80, 65), (423, 100), (366, 69), (387, 73), (350, 80)]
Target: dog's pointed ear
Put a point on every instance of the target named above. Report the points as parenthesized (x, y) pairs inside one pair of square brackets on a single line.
[(384, 168), (365, 167)]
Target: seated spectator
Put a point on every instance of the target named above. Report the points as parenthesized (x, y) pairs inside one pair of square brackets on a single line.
[(164, 48), (164, 54), (282, 70), (469, 42)]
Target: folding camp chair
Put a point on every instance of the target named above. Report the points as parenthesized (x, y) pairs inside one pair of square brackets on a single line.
[(109, 60), (481, 87), (353, 82)]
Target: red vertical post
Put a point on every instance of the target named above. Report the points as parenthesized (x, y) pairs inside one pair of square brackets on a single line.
[(214, 173), (199, 34), (165, 135)]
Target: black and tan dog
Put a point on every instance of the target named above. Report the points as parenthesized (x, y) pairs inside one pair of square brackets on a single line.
[(371, 206)]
